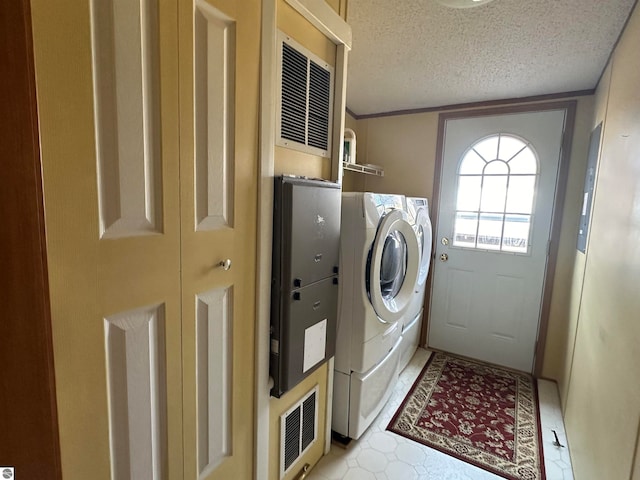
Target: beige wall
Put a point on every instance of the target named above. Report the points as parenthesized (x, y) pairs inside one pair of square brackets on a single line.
[(405, 146), (288, 161), (567, 311), (603, 397)]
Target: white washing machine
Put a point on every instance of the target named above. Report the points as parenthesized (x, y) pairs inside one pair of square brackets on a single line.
[(377, 282), (418, 210)]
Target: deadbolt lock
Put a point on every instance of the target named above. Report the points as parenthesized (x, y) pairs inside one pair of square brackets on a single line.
[(444, 241)]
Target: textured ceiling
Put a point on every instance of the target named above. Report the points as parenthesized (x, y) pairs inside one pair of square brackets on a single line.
[(416, 53)]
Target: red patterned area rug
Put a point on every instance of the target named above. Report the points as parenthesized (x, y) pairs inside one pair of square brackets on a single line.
[(481, 414)]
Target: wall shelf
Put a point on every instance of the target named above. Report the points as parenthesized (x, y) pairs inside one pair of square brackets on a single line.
[(366, 169)]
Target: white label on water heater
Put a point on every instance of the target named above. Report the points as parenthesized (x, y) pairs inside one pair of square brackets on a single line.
[(315, 342)]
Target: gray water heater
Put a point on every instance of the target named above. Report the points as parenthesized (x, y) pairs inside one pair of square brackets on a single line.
[(304, 288)]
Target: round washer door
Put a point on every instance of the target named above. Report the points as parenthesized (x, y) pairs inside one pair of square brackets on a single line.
[(393, 270), (424, 234)]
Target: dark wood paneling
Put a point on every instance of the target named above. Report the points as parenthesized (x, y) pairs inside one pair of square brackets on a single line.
[(28, 421)]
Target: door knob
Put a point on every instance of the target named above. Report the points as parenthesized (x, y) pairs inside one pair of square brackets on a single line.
[(444, 257), (225, 264)]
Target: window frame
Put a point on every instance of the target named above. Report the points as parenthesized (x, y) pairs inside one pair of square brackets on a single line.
[(504, 213)]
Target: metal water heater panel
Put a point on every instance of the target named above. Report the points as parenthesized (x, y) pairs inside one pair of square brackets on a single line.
[(304, 291)]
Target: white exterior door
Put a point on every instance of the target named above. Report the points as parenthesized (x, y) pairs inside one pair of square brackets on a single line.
[(498, 184)]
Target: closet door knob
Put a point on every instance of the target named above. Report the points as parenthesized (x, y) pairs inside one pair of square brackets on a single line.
[(225, 264)]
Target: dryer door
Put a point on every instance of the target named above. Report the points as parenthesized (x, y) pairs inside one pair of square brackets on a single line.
[(424, 234), (393, 266)]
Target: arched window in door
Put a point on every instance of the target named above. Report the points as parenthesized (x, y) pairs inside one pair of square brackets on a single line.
[(497, 179)]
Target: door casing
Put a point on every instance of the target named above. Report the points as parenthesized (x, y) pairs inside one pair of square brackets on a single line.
[(28, 410), (558, 207)]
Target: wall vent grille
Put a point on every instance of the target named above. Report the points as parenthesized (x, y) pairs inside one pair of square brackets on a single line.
[(294, 95), (308, 422), (319, 102), (298, 430), (305, 99)]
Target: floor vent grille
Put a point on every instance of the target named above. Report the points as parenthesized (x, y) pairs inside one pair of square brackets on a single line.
[(298, 430)]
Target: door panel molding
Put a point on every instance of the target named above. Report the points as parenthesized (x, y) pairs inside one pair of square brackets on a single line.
[(465, 305), (214, 107), (126, 84), (565, 154), (134, 345), (214, 319)]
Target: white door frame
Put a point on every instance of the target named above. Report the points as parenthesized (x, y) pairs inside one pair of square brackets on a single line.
[(558, 206)]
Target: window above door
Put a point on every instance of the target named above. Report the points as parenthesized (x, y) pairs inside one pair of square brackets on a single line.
[(496, 184)]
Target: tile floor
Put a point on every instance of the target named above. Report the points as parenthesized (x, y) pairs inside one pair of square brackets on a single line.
[(382, 455)]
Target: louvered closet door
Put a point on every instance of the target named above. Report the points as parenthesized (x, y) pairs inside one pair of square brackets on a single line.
[(107, 73), (219, 85)]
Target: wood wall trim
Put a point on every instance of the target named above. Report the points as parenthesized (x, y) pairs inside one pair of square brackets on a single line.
[(356, 117), (433, 214), (558, 209), (487, 104), (28, 414), (325, 19), (267, 134)]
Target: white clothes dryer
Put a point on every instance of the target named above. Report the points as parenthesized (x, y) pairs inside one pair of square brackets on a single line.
[(377, 282), (418, 210)]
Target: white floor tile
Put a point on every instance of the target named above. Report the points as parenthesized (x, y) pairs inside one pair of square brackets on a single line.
[(372, 461), (359, 474), (382, 455)]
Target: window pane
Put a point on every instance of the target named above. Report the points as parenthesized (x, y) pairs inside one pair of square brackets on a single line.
[(490, 231), (496, 167), (487, 148), (490, 215), (468, 193), (516, 233), (524, 162), (471, 164), (464, 230), (520, 196), (509, 146), (494, 193)]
